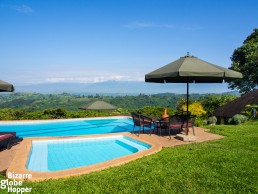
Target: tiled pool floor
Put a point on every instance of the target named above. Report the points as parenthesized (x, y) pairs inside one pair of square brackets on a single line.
[(54, 155), (18, 165)]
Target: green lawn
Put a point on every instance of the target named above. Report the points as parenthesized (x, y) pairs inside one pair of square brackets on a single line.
[(228, 165)]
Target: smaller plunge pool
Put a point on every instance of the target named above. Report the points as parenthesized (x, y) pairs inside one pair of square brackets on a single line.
[(55, 155)]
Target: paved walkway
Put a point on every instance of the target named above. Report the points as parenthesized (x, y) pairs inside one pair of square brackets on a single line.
[(6, 157), (202, 135)]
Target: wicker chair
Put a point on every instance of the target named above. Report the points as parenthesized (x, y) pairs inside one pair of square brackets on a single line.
[(189, 123), (143, 122), (176, 122)]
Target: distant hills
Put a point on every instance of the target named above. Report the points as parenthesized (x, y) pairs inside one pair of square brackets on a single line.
[(71, 102), (121, 88)]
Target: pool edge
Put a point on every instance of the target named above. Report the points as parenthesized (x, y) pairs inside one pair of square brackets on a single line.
[(60, 120), (18, 165)]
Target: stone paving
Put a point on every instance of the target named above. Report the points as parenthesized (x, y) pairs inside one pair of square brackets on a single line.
[(202, 135)]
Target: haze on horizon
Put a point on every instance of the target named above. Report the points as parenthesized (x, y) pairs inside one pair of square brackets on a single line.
[(98, 41)]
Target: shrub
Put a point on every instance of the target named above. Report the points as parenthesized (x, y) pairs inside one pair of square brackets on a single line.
[(195, 108), (120, 111), (237, 119), (154, 111), (6, 114), (55, 113), (199, 122), (248, 110), (212, 120)]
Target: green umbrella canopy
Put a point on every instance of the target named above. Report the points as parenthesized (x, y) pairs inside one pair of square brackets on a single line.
[(189, 69), (6, 87), (99, 105)]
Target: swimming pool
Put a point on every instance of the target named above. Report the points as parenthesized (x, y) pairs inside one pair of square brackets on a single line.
[(69, 127), (55, 155)]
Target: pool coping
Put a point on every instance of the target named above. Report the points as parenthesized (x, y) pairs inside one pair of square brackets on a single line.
[(18, 165), (11, 122)]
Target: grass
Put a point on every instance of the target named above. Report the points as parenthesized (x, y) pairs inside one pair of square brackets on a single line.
[(228, 165)]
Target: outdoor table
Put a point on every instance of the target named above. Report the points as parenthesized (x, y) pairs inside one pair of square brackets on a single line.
[(158, 125)]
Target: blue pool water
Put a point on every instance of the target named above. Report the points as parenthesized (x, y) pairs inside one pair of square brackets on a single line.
[(69, 127), (54, 155)]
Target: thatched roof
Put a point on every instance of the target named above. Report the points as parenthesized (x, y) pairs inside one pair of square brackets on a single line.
[(236, 106), (99, 105)]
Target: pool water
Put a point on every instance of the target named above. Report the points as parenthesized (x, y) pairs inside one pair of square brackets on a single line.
[(69, 127), (54, 155)]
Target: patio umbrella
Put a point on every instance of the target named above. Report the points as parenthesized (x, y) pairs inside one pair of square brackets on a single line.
[(99, 105), (190, 69), (6, 87)]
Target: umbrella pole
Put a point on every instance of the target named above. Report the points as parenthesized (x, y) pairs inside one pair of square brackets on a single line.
[(187, 96), (187, 102)]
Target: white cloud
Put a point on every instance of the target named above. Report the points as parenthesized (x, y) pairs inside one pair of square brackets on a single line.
[(135, 25), (25, 9), (74, 74), (92, 79), (190, 28), (139, 25)]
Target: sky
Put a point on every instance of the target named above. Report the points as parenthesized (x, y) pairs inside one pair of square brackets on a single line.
[(91, 41)]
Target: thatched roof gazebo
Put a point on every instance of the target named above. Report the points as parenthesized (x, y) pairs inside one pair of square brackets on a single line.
[(98, 105), (236, 106)]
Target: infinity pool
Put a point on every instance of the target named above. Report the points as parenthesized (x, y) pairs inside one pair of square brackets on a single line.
[(69, 127), (54, 155)]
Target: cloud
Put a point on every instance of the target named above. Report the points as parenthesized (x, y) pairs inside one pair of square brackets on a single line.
[(25, 9), (190, 28), (92, 79), (142, 25), (139, 25)]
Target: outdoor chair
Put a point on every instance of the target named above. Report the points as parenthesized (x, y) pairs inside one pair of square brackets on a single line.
[(171, 123), (143, 122), (176, 122), (189, 123), (8, 139)]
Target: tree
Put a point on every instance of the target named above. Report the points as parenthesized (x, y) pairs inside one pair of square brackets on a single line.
[(180, 104), (245, 60)]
